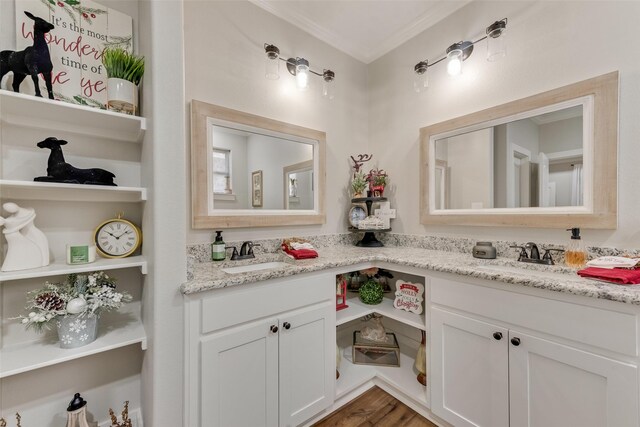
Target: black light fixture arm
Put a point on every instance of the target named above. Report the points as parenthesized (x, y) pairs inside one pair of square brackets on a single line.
[(465, 45), (292, 62)]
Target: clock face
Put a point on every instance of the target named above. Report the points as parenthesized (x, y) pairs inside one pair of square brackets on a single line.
[(356, 214), (117, 238)]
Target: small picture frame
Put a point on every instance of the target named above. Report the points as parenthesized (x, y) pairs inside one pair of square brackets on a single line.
[(256, 189)]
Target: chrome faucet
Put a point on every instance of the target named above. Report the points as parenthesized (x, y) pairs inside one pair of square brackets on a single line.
[(534, 254), (246, 251)]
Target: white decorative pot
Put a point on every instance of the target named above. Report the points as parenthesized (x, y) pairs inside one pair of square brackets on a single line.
[(122, 96), (77, 330)]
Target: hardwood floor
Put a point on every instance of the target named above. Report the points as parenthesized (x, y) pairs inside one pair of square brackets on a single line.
[(375, 408)]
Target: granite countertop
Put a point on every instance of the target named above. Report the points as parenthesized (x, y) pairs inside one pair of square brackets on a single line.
[(208, 275)]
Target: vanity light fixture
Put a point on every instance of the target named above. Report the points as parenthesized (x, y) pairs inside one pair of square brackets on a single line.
[(460, 51), (298, 67)]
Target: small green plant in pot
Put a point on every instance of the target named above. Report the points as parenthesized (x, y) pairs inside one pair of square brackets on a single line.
[(124, 72), (358, 184), (371, 292)]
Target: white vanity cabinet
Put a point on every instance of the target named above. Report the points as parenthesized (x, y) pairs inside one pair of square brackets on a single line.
[(501, 358), (261, 354)]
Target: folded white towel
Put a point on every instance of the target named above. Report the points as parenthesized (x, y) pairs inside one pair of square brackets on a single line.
[(613, 262), (296, 245)]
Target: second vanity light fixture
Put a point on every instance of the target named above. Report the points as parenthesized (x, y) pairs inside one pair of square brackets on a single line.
[(298, 67), (460, 51)]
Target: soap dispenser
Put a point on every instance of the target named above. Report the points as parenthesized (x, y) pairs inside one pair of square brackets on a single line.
[(217, 248), (575, 254)]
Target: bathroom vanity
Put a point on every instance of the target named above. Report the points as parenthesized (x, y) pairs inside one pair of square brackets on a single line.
[(507, 345)]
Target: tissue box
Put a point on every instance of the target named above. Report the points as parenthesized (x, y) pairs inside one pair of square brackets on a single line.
[(367, 352)]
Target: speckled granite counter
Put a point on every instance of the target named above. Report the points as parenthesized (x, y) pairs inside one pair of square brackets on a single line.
[(208, 275)]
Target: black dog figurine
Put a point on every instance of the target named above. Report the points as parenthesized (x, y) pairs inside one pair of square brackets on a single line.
[(31, 61), (60, 171)]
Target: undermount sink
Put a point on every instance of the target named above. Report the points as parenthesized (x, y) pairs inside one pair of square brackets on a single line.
[(527, 271), (255, 267)]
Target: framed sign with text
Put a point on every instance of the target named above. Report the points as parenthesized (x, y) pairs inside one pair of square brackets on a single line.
[(83, 29), (409, 296)]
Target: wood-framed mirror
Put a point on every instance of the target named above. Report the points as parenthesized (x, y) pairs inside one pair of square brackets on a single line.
[(548, 161), (238, 164)]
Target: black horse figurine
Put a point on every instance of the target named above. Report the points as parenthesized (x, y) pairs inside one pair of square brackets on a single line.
[(60, 171), (31, 61)]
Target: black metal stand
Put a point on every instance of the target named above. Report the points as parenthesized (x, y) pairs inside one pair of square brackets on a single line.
[(369, 239)]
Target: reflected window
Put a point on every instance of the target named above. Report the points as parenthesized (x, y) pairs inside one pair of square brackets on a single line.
[(221, 171)]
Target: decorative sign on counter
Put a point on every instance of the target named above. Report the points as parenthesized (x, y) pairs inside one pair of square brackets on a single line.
[(409, 296), (82, 30)]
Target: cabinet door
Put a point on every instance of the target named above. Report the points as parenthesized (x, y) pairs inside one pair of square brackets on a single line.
[(469, 371), (307, 363), (239, 381), (555, 385)]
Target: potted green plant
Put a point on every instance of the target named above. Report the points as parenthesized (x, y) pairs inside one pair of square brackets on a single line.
[(124, 72), (358, 184), (73, 306)]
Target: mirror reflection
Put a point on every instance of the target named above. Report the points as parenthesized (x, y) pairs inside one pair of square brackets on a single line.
[(531, 162), (248, 169)]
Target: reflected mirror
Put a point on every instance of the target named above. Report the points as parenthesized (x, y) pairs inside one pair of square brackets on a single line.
[(250, 171), (549, 160), (531, 162)]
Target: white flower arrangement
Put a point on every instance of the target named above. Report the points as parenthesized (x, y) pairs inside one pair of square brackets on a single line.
[(80, 294)]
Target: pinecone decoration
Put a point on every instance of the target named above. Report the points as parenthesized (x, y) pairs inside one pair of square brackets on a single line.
[(50, 301)]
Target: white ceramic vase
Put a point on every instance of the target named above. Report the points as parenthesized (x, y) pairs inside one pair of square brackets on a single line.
[(77, 330), (122, 96)]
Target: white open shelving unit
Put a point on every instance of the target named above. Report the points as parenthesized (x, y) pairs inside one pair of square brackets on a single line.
[(123, 328), (54, 191), (57, 269), (352, 376), (46, 352), (40, 113), (358, 309)]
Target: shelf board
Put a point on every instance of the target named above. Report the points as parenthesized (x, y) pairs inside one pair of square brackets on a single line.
[(26, 110), (358, 309), (353, 376), (34, 355), (404, 378), (59, 269), (53, 191)]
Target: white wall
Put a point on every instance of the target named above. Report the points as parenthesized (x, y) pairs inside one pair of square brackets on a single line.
[(237, 144), (224, 65), (470, 164), (271, 155), (550, 44)]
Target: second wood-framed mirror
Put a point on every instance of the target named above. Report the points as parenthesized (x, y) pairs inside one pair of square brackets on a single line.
[(549, 161)]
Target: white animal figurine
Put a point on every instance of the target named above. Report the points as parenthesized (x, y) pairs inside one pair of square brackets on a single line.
[(27, 246)]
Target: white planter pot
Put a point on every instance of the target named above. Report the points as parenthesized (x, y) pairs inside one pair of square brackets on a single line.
[(122, 96)]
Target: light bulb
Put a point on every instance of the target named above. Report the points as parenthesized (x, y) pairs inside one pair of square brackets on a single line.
[(454, 65), (420, 79), (272, 62), (328, 84), (302, 73), (496, 41)]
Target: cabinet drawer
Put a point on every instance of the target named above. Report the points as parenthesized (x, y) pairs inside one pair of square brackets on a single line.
[(607, 329), (232, 306)]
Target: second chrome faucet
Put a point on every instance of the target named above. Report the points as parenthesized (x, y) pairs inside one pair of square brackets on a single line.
[(246, 251), (533, 256)]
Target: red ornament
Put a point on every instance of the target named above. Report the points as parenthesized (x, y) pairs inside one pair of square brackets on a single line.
[(93, 15), (85, 15), (60, 4)]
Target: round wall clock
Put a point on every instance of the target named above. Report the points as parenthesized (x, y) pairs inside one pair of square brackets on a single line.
[(357, 214), (117, 238)]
